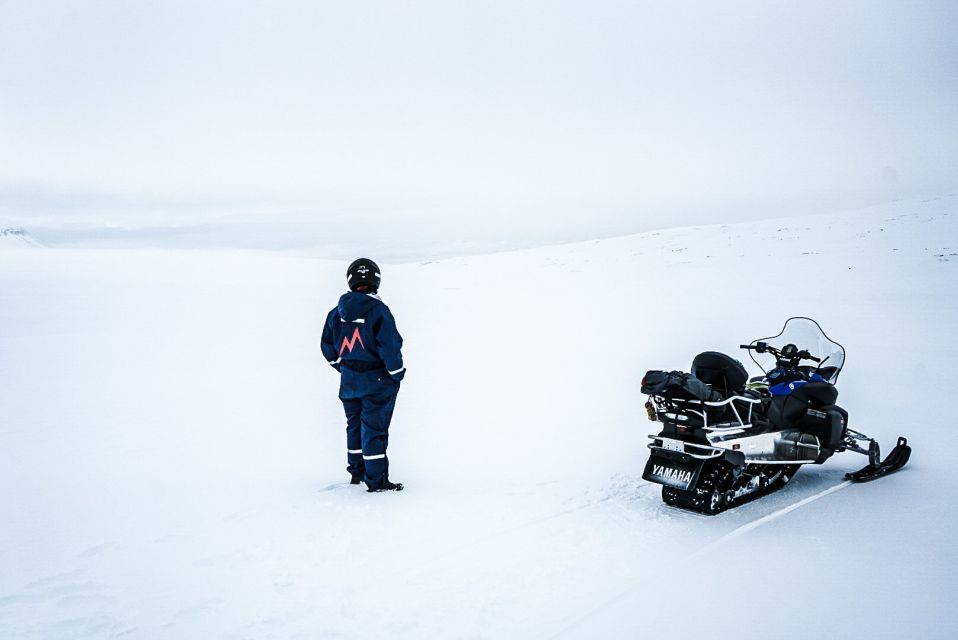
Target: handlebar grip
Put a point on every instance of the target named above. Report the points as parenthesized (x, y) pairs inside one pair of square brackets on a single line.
[(746, 346)]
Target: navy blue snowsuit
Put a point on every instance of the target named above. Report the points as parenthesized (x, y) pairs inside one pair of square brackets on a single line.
[(360, 340)]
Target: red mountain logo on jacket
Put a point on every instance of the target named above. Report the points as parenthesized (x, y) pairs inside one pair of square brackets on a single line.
[(349, 343)]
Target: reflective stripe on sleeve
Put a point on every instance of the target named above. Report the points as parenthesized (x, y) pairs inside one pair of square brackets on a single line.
[(400, 370), (354, 450)]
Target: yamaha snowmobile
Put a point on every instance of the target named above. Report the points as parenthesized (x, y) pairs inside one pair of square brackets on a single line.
[(727, 439)]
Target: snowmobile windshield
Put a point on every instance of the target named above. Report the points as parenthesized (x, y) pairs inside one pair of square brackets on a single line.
[(805, 335)]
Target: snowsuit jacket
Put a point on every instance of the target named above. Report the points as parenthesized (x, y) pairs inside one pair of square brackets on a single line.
[(361, 341)]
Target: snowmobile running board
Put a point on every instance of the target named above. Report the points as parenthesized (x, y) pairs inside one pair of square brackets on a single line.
[(892, 462)]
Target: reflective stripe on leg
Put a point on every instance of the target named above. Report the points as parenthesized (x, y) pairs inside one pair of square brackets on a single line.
[(378, 457)]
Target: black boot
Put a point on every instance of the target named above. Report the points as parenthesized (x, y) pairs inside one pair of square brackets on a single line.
[(388, 486), (356, 479)]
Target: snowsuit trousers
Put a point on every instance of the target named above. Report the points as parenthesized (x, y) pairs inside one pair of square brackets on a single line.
[(369, 410)]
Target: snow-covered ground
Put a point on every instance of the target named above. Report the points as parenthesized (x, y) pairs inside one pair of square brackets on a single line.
[(172, 450)]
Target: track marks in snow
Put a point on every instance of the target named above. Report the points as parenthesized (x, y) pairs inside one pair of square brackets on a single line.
[(736, 533), (197, 609), (625, 493), (758, 522), (99, 626), (60, 607), (622, 492), (506, 531), (99, 549)]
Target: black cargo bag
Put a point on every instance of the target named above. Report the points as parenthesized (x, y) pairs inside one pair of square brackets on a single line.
[(677, 384)]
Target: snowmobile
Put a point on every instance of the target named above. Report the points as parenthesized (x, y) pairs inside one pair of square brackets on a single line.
[(727, 439)]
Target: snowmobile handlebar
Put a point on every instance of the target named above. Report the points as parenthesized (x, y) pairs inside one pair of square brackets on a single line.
[(788, 353)]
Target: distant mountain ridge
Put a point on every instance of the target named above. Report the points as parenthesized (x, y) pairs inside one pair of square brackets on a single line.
[(12, 237)]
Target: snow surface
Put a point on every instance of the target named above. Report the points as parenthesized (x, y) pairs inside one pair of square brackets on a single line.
[(172, 450)]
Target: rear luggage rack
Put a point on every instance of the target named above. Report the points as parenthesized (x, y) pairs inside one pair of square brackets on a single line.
[(681, 410), (679, 446)]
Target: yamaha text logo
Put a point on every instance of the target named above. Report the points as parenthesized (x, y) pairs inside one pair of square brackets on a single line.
[(675, 475)]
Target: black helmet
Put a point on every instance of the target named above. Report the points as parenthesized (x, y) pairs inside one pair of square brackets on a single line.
[(363, 272)]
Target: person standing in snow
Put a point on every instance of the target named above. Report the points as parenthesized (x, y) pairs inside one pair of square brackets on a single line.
[(360, 340)]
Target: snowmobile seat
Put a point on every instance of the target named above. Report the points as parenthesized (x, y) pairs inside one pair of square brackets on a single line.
[(721, 372), (819, 394)]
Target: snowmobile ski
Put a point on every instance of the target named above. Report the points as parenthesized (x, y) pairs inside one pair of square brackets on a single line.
[(892, 462)]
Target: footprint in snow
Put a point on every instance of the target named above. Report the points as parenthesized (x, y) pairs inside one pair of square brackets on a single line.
[(90, 627), (334, 486), (84, 601), (198, 609), (97, 549), (55, 579), (12, 601)]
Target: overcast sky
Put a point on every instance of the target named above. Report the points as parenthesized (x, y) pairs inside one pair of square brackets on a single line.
[(484, 112)]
